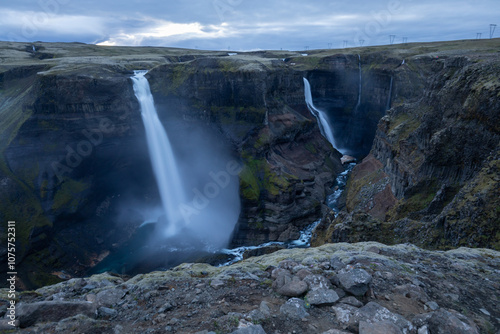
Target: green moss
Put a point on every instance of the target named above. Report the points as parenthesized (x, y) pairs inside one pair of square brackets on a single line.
[(21, 204), (68, 194), (263, 139), (228, 65), (257, 178), (403, 125), (307, 62), (416, 202), (249, 185), (311, 148)]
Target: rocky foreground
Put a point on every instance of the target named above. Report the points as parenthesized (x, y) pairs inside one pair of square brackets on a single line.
[(336, 288)]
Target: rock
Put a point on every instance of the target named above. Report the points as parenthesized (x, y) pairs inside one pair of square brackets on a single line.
[(344, 313), (346, 159), (303, 273), (5, 325), (383, 327), (351, 301), (287, 264), (279, 271), (264, 308), (322, 297), (91, 298), (216, 283), (432, 305), (166, 307), (29, 314), (336, 263), (106, 312), (373, 249), (445, 322), (251, 329), (315, 282), (309, 261), (293, 289), (340, 292), (260, 314), (355, 281), (294, 309), (282, 279), (485, 312), (335, 331), (373, 312), (423, 330), (109, 297), (414, 292)]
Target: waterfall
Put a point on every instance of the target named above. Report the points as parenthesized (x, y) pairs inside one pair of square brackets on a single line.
[(390, 96), (359, 85), (324, 125), (162, 156)]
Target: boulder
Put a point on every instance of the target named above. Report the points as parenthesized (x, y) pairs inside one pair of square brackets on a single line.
[(355, 281), (445, 322), (251, 329), (29, 314), (352, 301), (374, 313), (383, 327), (322, 297), (109, 297), (317, 282), (294, 309), (294, 288)]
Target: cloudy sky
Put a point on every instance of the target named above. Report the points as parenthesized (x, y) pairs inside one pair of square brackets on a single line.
[(246, 24)]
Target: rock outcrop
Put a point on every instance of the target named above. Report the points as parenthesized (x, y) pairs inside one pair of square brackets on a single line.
[(407, 290)]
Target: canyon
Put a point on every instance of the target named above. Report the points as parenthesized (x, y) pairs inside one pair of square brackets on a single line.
[(422, 120)]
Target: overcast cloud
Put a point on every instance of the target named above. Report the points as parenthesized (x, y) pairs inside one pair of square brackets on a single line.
[(245, 24)]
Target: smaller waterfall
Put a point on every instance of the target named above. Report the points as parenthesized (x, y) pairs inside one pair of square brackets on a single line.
[(359, 85), (390, 96), (324, 125)]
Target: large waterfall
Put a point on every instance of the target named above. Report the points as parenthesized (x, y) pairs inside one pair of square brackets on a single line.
[(323, 123), (162, 157)]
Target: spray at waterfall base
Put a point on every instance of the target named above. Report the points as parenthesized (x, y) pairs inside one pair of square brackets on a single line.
[(197, 204)]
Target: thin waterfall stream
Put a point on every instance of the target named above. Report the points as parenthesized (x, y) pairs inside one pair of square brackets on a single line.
[(390, 95), (359, 84)]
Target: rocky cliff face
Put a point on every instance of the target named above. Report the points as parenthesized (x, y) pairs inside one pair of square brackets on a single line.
[(432, 175)]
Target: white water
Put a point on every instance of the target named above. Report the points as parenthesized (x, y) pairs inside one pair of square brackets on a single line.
[(162, 157), (340, 183), (390, 96), (324, 125), (304, 241)]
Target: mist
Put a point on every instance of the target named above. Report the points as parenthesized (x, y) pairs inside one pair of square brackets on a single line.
[(194, 213)]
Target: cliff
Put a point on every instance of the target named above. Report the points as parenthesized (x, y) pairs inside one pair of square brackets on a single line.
[(431, 177)]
